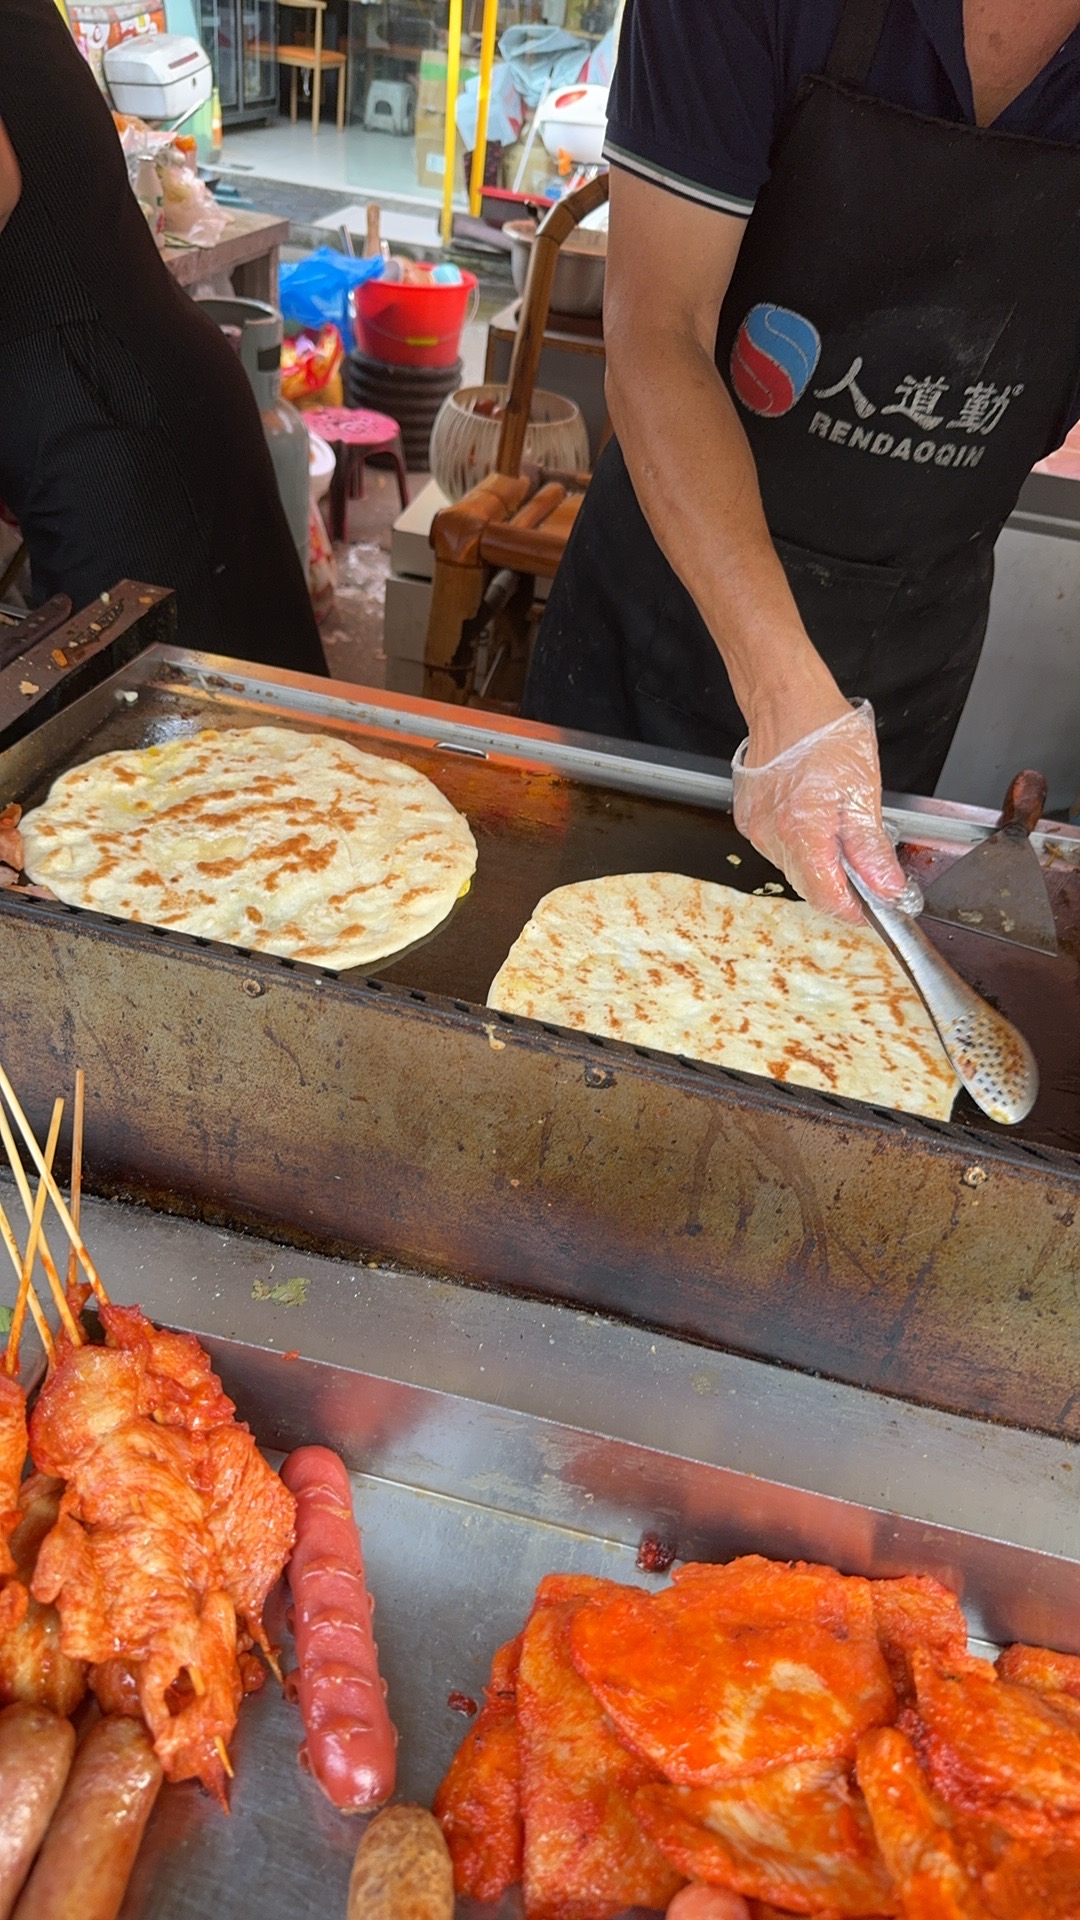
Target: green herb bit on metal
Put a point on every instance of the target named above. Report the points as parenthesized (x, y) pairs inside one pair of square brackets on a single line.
[(288, 1293)]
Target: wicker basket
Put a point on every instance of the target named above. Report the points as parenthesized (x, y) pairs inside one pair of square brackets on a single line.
[(464, 443)]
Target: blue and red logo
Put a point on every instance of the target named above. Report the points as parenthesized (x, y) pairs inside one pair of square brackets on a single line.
[(773, 359)]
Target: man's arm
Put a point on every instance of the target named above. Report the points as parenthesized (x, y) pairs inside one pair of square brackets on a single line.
[(669, 264), (10, 178)]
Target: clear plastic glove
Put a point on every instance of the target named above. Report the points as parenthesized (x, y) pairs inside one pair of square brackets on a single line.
[(816, 802)]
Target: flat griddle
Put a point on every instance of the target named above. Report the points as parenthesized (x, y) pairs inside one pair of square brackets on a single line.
[(388, 1112), (538, 826)]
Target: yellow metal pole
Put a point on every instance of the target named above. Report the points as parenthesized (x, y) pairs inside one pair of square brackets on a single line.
[(453, 75), (487, 62)]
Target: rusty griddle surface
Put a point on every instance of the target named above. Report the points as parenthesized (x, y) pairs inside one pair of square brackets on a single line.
[(536, 830)]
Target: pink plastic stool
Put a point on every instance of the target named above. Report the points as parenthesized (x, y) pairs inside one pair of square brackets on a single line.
[(355, 434)]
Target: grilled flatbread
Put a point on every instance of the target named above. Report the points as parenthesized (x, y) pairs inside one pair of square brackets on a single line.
[(292, 843), (753, 982)]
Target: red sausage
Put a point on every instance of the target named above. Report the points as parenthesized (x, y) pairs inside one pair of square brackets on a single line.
[(350, 1744), (35, 1755)]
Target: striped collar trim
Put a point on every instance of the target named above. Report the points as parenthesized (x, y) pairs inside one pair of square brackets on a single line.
[(677, 183)]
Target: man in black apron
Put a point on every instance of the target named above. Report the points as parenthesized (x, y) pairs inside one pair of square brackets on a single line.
[(898, 344)]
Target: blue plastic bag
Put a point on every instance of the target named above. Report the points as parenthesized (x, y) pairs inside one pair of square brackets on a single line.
[(314, 292)]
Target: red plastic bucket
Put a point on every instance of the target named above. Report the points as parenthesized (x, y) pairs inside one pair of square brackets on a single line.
[(407, 326)]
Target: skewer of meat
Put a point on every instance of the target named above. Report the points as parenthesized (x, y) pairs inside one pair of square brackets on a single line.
[(85, 1863), (35, 1756), (350, 1743)]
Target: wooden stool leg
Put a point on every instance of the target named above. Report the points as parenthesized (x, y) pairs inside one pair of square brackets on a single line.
[(339, 492), (292, 96), (397, 453), (342, 94), (449, 657)]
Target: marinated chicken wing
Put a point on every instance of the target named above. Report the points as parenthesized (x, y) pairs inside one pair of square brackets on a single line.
[(13, 1445), (33, 1668), (586, 1857), (911, 1612), (737, 1669), (1049, 1673), (89, 1393), (181, 1388), (950, 1865), (479, 1802), (914, 1831), (798, 1836), (131, 1564), (251, 1517), (996, 1748)]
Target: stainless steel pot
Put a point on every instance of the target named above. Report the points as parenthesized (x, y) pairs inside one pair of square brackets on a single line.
[(579, 276)]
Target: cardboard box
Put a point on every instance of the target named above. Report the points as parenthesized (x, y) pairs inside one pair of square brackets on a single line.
[(405, 620), (404, 676), (431, 81), (431, 157), (541, 174)]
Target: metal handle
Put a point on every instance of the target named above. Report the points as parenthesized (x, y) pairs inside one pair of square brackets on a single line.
[(1024, 803), (991, 1059)]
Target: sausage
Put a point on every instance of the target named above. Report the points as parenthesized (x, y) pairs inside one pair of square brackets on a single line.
[(402, 1869), (699, 1902), (350, 1744), (83, 1868), (35, 1756)]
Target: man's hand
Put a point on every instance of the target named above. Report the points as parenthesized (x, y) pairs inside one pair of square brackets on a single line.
[(818, 804), (668, 268)]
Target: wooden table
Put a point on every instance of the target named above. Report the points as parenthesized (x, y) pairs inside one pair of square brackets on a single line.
[(247, 252)]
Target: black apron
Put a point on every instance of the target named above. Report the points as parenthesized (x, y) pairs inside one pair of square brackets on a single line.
[(901, 336)]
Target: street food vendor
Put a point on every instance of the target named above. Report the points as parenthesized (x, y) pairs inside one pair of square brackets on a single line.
[(881, 201), (130, 440)]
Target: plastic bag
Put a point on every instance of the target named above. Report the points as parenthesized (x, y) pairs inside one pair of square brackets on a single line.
[(314, 292), (191, 212), (308, 364)]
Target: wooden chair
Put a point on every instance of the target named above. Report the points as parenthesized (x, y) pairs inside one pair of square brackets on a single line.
[(513, 526), (314, 56)]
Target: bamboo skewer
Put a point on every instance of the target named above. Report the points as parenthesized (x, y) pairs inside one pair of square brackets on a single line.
[(76, 1176), (36, 1219), (23, 1185), (55, 1194), (24, 1267), (11, 1356)]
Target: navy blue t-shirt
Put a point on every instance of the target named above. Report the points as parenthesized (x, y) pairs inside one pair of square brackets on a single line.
[(701, 86)]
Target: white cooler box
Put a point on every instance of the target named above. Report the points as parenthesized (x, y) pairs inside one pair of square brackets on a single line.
[(158, 76)]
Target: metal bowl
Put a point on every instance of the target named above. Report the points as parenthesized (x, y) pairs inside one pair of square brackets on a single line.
[(579, 276)]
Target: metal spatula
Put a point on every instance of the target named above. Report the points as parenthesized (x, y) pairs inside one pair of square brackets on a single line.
[(999, 887), (991, 1058)]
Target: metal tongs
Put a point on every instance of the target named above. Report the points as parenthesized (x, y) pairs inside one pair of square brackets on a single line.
[(990, 1057)]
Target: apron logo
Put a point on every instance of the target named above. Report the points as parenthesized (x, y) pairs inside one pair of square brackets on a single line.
[(773, 359)]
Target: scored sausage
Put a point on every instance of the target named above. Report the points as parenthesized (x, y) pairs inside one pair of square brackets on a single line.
[(350, 1743), (402, 1869), (84, 1866), (35, 1756)]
